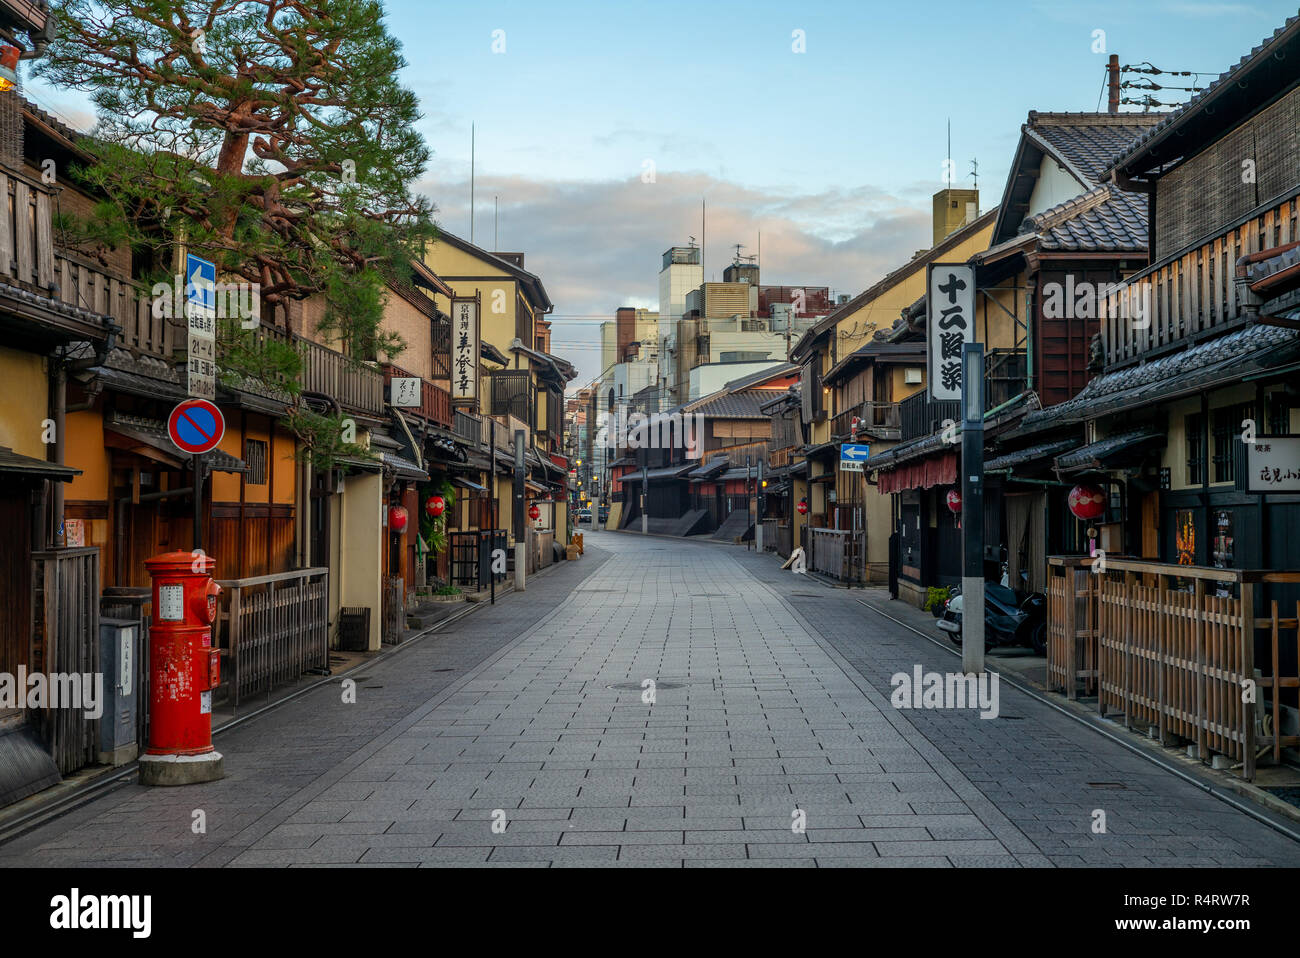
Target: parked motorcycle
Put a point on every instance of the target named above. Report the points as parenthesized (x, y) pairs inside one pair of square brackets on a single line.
[(1008, 619)]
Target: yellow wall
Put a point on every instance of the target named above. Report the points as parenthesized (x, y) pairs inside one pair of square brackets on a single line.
[(85, 451), (360, 548), (26, 402)]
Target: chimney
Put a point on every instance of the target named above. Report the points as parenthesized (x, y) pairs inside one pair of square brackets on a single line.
[(953, 209), (1112, 81)]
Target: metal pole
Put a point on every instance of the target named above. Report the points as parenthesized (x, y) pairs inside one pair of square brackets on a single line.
[(198, 502), (972, 507), (758, 509), (645, 499), (521, 529), (749, 499), (492, 492)]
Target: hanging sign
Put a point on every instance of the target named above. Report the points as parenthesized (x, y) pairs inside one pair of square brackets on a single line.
[(464, 350), (950, 324)]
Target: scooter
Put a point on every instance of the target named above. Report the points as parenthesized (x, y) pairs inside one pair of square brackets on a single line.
[(1008, 620)]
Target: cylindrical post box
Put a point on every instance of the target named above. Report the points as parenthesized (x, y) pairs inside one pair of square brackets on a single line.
[(184, 669)]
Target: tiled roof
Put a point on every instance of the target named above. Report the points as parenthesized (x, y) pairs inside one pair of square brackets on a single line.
[(1230, 356), (1044, 450), (739, 405), (1087, 141), (1218, 85), (1104, 219), (1095, 453)]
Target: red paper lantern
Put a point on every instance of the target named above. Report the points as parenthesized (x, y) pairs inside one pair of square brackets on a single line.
[(533, 511), (954, 501), (1087, 502), (435, 506), (397, 518), (803, 507)]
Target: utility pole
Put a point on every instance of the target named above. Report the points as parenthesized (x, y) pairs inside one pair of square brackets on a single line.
[(521, 529), (758, 509), (492, 491), (972, 507)]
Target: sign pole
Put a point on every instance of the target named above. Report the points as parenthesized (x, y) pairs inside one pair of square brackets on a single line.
[(492, 493), (972, 508), (521, 527), (645, 498), (198, 501)]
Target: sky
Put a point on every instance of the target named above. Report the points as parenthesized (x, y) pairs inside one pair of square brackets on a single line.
[(601, 127)]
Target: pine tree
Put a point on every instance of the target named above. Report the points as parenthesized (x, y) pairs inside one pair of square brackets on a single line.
[(270, 136)]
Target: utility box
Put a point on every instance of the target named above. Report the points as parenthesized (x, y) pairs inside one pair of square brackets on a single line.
[(119, 652)]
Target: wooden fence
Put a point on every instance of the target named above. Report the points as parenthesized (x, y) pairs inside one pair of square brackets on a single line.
[(1177, 652), (394, 622), (834, 553), (65, 609), (769, 535), (1071, 625), (273, 628)]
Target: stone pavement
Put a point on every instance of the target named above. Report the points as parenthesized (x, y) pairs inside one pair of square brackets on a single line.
[(771, 710)]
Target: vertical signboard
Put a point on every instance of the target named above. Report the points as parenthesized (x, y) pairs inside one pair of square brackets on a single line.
[(464, 351), (950, 312), (201, 323)]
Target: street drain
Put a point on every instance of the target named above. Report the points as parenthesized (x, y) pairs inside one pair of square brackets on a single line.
[(444, 670), (804, 595), (1106, 785), (1012, 718), (636, 686)]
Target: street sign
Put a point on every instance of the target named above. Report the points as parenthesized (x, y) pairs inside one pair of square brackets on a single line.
[(853, 455), (196, 426), (201, 319)]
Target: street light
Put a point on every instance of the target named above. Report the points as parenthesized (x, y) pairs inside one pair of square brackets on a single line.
[(972, 507)]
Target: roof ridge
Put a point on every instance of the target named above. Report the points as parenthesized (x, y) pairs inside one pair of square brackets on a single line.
[(1067, 209)]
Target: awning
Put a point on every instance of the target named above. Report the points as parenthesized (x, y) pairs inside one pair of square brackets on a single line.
[(534, 486), (467, 484), (155, 444), (1113, 452), (1044, 450), (925, 474), (12, 463), (402, 468), (662, 472), (710, 469)]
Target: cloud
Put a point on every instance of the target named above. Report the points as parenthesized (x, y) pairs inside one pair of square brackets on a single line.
[(598, 245)]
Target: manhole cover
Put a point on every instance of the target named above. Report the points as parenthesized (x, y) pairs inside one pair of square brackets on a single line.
[(636, 686)]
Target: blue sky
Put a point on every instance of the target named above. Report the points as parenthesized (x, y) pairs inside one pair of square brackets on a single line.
[(832, 153)]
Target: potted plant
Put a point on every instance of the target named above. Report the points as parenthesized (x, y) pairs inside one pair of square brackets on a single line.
[(447, 593), (935, 598)]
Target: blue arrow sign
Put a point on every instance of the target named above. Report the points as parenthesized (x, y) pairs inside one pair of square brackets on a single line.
[(200, 282), (854, 452)]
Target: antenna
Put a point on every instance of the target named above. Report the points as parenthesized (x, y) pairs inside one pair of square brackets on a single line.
[(496, 245), (471, 183), (950, 150), (975, 172)]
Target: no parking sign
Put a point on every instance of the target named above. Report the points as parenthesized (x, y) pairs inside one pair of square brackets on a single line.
[(196, 426)]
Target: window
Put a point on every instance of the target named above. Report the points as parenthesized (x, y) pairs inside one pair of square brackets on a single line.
[(255, 458), (1227, 430), (1279, 415), (1194, 427)]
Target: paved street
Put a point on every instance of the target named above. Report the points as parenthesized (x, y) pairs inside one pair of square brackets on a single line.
[(522, 738)]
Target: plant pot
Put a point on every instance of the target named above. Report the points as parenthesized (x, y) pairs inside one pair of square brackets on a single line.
[(448, 598)]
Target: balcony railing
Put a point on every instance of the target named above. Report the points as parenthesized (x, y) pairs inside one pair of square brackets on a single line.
[(358, 387), (919, 415), (879, 415), (468, 428), (435, 402)]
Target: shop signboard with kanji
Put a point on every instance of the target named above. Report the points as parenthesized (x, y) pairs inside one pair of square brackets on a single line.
[(1273, 464), (464, 351), (950, 311)]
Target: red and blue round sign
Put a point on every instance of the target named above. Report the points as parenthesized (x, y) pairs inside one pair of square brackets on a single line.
[(196, 426)]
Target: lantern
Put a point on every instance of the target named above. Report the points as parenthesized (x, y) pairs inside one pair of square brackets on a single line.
[(397, 518), (435, 506), (533, 511), (1087, 502), (803, 507), (954, 501)]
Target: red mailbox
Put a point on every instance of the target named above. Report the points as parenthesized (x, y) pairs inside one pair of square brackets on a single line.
[(184, 668)]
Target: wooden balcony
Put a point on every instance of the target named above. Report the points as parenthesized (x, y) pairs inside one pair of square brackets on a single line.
[(874, 415), (358, 387), (435, 402), (919, 415), (1188, 298)]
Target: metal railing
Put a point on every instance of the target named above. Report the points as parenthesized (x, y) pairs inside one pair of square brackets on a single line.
[(873, 415), (273, 628), (471, 557)]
